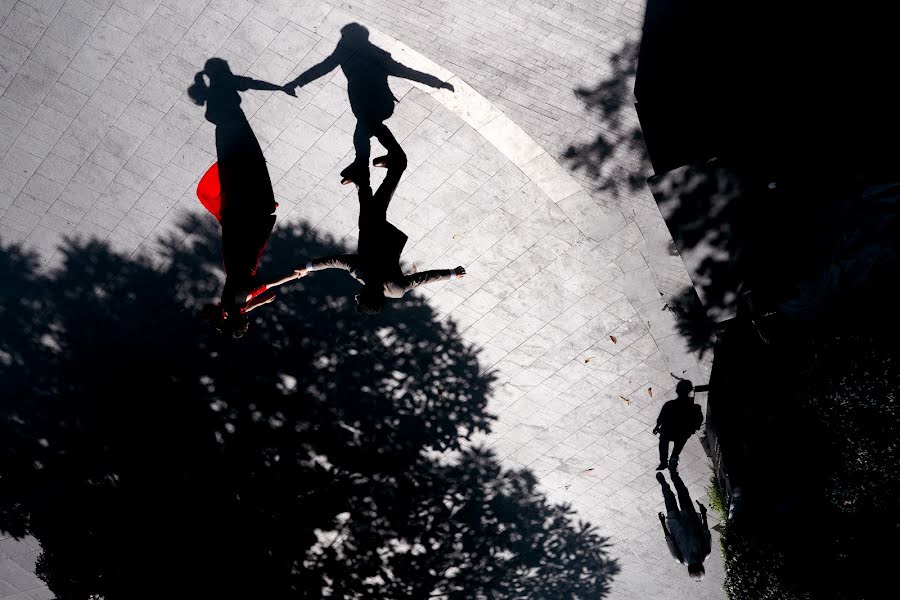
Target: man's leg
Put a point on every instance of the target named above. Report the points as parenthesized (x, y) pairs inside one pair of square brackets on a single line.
[(677, 447), (663, 451), (387, 139), (361, 142), (358, 170), (668, 496), (396, 164), (684, 497), (368, 213)]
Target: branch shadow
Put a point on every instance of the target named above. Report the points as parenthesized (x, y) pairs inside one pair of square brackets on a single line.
[(621, 139), (323, 454)]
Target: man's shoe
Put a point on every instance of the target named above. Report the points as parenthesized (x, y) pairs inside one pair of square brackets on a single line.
[(355, 173), (398, 159), (661, 466)]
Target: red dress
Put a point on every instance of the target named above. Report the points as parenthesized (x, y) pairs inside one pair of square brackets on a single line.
[(209, 191)]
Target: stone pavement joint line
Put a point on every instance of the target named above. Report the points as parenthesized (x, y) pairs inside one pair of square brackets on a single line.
[(98, 140)]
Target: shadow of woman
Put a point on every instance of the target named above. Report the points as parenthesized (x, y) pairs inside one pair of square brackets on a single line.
[(366, 67), (237, 191)]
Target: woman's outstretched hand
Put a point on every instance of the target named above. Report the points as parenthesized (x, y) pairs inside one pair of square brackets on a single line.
[(460, 272), (290, 89), (298, 273)]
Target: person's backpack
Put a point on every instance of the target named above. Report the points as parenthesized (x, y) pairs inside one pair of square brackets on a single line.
[(697, 418)]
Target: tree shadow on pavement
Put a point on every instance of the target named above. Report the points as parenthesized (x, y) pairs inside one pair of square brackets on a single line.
[(617, 157), (323, 454), (809, 250)]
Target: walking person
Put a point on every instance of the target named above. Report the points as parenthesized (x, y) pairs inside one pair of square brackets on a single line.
[(366, 67), (687, 533), (376, 265), (677, 421)]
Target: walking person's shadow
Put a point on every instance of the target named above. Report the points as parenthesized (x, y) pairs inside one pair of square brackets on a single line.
[(366, 67), (687, 533), (237, 191)]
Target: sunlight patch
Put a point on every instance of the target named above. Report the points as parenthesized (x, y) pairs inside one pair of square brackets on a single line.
[(287, 383), (50, 342)]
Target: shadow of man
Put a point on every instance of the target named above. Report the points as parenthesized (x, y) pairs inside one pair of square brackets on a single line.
[(687, 533), (237, 191), (366, 67), (677, 421), (376, 265)]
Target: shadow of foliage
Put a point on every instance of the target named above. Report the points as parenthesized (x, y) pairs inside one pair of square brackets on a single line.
[(804, 152), (620, 141), (701, 206), (322, 455)]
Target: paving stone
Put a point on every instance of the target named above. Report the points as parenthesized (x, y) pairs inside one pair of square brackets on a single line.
[(98, 141)]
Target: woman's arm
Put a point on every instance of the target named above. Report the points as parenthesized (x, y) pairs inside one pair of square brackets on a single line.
[(258, 301), (248, 83), (251, 296)]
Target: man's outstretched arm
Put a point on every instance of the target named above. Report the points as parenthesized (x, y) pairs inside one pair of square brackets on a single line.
[(400, 70), (325, 67), (417, 279)]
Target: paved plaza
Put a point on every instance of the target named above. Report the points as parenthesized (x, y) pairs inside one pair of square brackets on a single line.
[(569, 272)]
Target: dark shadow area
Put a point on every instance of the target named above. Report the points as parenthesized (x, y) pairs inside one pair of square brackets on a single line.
[(814, 251), (687, 532), (151, 455), (806, 428), (376, 264), (771, 147), (765, 84), (366, 67)]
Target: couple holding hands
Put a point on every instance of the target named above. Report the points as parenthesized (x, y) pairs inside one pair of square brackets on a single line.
[(237, 190)]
